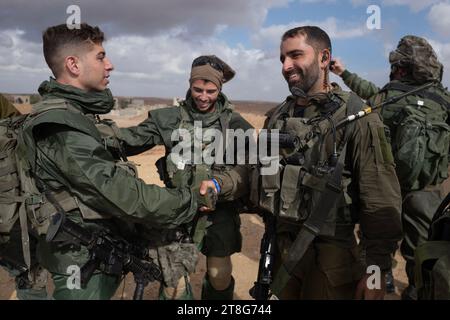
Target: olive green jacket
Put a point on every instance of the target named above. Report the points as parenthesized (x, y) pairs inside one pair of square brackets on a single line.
[(72, 156)]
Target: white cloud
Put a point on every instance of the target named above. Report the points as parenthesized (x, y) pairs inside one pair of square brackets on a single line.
[(22, 66), (439, 18), (415, 5), (159, 66), (443, 53), (138, 17), (359, 2), (269, 37), (317, 1)]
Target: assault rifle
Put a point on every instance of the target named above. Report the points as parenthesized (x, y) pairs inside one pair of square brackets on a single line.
[(108, 253)]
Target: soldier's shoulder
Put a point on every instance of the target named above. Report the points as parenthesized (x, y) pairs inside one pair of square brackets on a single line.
[(161, 113), (237, 121), (289, 99)]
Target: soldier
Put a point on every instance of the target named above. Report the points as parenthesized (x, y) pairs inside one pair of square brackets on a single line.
[(206, 107), (73, 167), (413, 64), (329, 177)]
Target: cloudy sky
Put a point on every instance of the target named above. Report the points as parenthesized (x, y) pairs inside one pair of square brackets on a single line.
[(152, 42)]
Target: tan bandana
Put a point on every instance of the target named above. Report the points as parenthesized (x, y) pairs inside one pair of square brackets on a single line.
[(206, 72)]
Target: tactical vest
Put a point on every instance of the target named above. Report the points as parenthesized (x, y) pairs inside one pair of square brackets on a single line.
[(188, 173), (305, 171)]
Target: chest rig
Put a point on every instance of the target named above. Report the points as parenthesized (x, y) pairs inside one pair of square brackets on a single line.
[(187, 171), (307, 164)]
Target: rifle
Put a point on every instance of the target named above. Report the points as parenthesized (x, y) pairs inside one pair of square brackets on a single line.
[(12, 264), (261, 287), (108, 253)]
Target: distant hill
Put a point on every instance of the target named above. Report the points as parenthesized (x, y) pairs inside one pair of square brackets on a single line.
[(255, 107)]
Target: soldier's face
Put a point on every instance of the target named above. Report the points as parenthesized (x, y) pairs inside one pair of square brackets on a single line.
[(300, 63), (95, 69), (204, 93)]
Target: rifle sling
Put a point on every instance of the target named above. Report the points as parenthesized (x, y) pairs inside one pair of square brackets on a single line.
[(311, 227), (423, 94)]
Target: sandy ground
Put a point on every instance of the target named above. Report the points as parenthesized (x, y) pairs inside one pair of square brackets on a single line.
[(245, 264)]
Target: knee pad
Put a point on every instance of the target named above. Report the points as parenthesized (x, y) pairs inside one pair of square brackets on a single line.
[(219, 272)]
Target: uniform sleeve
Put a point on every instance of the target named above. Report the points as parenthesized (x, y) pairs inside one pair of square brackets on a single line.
[(137, 139), (82, 165), (378, 189), (234, 182), (7, 109), (363, 88)]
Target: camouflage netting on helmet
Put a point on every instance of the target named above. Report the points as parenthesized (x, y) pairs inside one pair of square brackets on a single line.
[(417, 54)]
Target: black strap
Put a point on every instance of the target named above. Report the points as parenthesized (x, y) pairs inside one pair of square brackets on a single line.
[(398, 86), (224, 124), (311, 227)]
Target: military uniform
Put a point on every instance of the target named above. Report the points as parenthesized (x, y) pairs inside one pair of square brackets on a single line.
[(6, 108), (419, 206), (219, 235), (334, 263), (71, 158)]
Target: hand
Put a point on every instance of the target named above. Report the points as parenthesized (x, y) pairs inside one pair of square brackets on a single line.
[(337, 67), (364, 293), (205, 187), (207, 184)]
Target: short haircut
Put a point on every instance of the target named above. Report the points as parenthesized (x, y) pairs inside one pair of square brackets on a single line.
[(60, 41), (314, 36)]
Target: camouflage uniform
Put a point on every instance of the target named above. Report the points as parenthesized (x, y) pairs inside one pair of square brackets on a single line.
[(71, 158), (419, 206)]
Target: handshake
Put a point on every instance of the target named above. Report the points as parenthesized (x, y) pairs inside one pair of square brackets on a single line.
[(204, 188)]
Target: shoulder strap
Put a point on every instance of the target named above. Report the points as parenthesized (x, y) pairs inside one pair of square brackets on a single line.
[(424, 94), (224, 119), (274, 113)]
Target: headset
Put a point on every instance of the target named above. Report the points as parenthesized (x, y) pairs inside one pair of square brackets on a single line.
[(332, 62)]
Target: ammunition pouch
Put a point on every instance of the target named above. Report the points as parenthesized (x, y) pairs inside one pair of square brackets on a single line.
[(128, 166)]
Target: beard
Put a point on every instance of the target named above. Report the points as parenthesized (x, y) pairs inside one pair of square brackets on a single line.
[(307, 77)]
